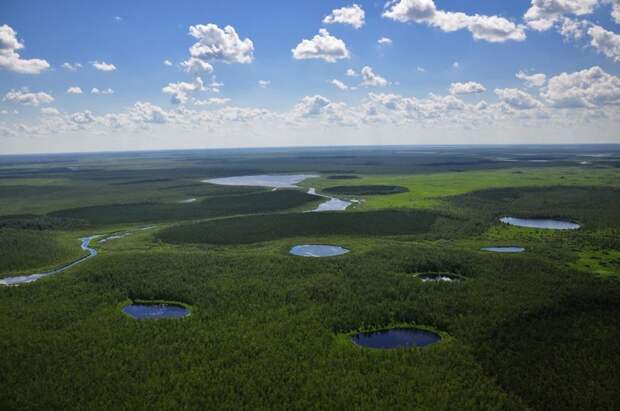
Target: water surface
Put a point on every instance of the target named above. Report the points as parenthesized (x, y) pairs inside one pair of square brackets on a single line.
[(543, 223), (508, 249), (396, 338), (25, 279), (155, 311), (437, 278), (332, 204), (317, 250), (262, 180)]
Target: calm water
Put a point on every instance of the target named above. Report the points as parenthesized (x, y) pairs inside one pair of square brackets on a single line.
[(263, 180), (25, 279), (315, 250), (396, 338), (510, 249), (540, 223), (332, 204), (155, 311)]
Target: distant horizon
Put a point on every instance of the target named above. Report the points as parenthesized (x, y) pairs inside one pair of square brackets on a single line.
[(332, 147)]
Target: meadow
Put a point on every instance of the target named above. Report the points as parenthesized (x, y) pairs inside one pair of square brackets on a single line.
[(268, 330)]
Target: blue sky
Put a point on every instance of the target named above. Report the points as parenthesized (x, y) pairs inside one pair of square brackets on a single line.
[(447, 73)]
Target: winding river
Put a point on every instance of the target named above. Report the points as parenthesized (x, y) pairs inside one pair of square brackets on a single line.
[(25, 279)]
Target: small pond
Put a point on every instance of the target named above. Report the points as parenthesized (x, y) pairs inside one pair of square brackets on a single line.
[(317, 250), (540, 223), (145, 311), (396, 338), (263, 180), (438, 278), (502, 249)]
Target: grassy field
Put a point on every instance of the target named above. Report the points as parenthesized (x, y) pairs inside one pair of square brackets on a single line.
[(268, 330)]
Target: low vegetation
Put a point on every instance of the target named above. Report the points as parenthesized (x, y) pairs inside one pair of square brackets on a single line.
[(365, 190)]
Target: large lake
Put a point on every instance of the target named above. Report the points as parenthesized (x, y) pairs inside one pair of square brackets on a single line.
[(396, 338), (262, 180), (547, 224)]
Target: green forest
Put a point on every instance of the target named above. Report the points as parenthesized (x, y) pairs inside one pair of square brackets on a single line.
[(537, 330)]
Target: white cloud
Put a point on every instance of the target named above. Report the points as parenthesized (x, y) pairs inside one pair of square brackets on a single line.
[(103, 66), (50, 111), (10, 58), (592, 87), (532, 80), (572, 29), (311, 105), (517, 99), (615, 11), (167, 63), (71, 67), (489, 28), (470, 87), (456, 65), (118, 18), (28, 98), (384, 41), (351, 73), (370, 78), (216, 45), (420, 69), (353, 15), (212, 101), (322, 46), (74, 90), (606, 42), (180, 91), (95, 90), (264, 83), (543, 14), (339, 84)]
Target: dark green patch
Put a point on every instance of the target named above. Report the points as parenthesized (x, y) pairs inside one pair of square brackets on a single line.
[(270, 227), (365, 190), (342, 177)]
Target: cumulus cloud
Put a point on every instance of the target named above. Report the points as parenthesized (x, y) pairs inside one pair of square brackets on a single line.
[(71, 67), (339, 85), (311, 105), (74, 90), (606, 42), (532, 80), (471, 87), (103, 66), (28, 98), (95, 90), (49, 111), (322, 46), (517, 99), (167, 63), (385, 41), (591, 88), (370, 78), (353, 15), (488, 28), (180, 91), (543, 14), (456, 65), (217, 45), (264, 83), (11, 60), (351, 73), (212, 101)]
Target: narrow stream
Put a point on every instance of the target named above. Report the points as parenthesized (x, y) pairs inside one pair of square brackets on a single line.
[(25, 279)]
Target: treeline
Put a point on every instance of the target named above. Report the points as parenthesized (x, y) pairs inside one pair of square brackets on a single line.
[(271, 227), (218, 206)]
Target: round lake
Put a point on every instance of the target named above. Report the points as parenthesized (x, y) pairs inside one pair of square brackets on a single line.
[(155, 311), (316, 250), (510, 249), (396, 338), (547, 224)]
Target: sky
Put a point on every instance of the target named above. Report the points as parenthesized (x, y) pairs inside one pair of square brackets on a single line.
[(144, 75)]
